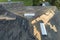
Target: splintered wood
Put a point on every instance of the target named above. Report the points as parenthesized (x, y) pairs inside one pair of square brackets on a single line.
[(6, 18), (45, 17), (53, 27), (37, 33)]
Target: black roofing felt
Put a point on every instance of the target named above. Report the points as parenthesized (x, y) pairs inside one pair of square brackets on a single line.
[(14, 29)]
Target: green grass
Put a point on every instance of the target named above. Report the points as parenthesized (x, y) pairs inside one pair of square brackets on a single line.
[(26, 2), (3, 0)]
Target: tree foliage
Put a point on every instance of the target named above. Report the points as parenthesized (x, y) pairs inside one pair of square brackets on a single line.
[(52, 2)]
